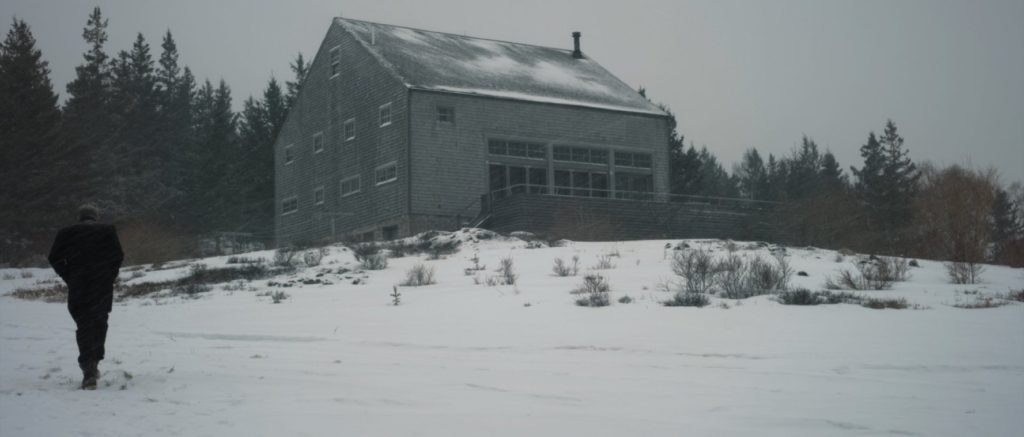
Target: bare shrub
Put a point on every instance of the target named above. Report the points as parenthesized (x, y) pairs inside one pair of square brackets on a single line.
[(766, 276), (593, 283), (190, 289), (562, 268), (52, 293), (1015, 295), (9, 276), (278, 296), (687, 299), (732, 276), (696, 267), (507, 271), (625, 299), (964, 272), (803, 296), (596, 289), (952, 213), (363, 250), (604, 262), (377, 261), (313, 257), (418, 275), (284, 256), (880, 304), (874, 273), (26, 274)]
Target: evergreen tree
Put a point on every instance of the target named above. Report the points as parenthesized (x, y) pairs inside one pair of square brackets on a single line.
[(831, 175), (87, 121), (134, 183), (900, 176), (752, 175), (29, 122), (1007, 225), (174, 90), (299, 68), (805, 165), (216, 152)]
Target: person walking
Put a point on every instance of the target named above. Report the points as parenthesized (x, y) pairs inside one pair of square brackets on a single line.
[(88, 257)]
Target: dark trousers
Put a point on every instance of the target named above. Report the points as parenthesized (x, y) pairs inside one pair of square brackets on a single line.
[(89, 302), (91, 336)]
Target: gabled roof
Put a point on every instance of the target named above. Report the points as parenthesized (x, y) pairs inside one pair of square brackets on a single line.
[(465, 65)]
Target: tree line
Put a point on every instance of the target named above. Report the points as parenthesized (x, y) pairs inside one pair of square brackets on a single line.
[(162, 154), (168, 159), (887, 205)]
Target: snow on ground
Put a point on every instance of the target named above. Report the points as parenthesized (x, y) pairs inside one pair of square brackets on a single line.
[(458, 358)]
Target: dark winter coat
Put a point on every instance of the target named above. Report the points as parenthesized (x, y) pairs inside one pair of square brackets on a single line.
[(88, 257)]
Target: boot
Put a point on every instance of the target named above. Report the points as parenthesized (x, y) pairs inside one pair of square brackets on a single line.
[(90, 375)]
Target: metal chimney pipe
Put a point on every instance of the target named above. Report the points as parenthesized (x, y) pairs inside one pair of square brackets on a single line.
[(576, 53)]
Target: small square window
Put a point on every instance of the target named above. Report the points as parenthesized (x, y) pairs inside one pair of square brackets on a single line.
[(335, 62), (386, 173), (318, 142), (289, 205), (563, 153), (318, 195), (446, 114), (497, 147), (385, 114), (289, 155), (350, 129)]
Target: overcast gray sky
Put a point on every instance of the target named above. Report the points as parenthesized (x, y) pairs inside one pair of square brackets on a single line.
[(738, 73)]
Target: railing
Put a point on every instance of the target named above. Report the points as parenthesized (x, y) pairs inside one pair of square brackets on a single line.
[(594, 193)]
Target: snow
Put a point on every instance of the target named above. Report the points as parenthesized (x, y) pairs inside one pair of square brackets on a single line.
[(440, 61), (457, 358)]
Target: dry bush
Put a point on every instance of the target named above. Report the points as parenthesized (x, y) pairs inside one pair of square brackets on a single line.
[(562, 268), (284, 256), (313, 257), (875, 273), (952, 213), (377, 261), (419, 275), (686, 299), (697, 269), (596, 289), (964, 272), (766, 276), (55, 292), (604, 262), (507, 271)]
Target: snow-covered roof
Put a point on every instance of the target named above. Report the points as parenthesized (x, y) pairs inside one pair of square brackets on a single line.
[(465, 65)]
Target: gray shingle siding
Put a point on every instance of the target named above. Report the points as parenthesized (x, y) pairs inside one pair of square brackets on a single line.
[(324, 104)]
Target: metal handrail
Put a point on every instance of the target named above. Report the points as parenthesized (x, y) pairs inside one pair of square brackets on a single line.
[(623, 195)]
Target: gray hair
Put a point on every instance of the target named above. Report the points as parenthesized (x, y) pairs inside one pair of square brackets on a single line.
[(88, 211)]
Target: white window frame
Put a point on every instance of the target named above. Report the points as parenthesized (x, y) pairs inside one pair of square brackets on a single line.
[(335, 61), (289, 156), (318, 136), (380, 114), (284, 210), (384, 167), (344, 129), (359, 185), (318, 190)]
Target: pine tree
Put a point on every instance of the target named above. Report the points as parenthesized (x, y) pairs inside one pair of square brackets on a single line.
[(805, 165), (299, 68), (900, 176), (88, 124), (174, 90), (1007, 225), (134, 168), (29, 123), (831, 176), (752, 175)]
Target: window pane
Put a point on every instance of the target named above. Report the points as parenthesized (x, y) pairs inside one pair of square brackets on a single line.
[(498, 183), (538, 180), (517, 179), (537, 151), (581, 184), (563, 181), (599, 156), (516, 148), (642, 160), (622, 158), (496, 147), (599, 182), (563, 153), (580, 154)]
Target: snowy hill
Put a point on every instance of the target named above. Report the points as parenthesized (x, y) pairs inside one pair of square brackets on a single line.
[(462, 357)]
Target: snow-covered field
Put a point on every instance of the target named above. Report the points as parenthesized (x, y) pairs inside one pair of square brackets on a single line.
[(465, 359)]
